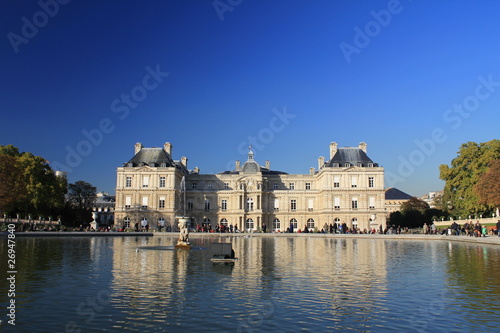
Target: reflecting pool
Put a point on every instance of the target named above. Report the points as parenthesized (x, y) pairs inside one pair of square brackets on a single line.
[(285, 284)]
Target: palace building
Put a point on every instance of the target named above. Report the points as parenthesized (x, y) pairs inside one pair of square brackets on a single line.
[(152, 189)]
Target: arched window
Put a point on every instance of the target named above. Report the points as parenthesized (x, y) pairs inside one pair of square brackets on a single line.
[(161, 222), (337, 221), (276, 225), (223, 222), (354, 222), (144, 222), (249, 225), (310, 224), (293, 223), (250, 204), (126, 222)]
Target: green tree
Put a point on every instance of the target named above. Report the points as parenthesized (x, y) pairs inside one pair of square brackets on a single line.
[(488, 186), (38, 190), (81, 197), (464, 173), (45, 190), (396, 218), (82, 194), (12, 187), (414, 204), (432, 214), (413, 218)]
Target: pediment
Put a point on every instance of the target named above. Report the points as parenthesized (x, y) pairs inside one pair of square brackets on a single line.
[(144, 168)]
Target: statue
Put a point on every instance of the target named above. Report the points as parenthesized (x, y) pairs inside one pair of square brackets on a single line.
[(183, 241)]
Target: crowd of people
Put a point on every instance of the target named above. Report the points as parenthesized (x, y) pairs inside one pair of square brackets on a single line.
[(471, 229)]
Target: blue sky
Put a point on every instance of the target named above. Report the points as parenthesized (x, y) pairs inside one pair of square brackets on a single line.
[(82, 81)]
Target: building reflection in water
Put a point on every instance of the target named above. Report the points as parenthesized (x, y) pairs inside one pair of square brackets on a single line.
[(153, 280)]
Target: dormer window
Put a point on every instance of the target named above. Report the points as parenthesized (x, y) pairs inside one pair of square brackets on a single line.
[(163, 165), (335, 165), (347, 165), (359, 165), (370, 165)]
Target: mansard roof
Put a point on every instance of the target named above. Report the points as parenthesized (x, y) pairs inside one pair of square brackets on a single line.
[(393, 193), (353, 156), (153, 157)]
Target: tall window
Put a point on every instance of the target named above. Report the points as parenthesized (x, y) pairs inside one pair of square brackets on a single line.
[(250, 204), (275, 186), (310, 224), (128, 182), (194, 186), (210, 186), (354, 181), (161, 202), (354, 203), (371, 202), (145, 201), (207, 204), (308, 186), (162, 181), (293, 204), (336, 203), (276, 225), (276, 204), (310, 204), (291, 186), (224, 204), (145, 181), (249, 225), (371, 181), (126, 222), (128, 202), (190, 205), (226, 186), (336, 181), (293, 223)]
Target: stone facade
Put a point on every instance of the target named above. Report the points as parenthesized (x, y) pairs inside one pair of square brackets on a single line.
[(348, 188)]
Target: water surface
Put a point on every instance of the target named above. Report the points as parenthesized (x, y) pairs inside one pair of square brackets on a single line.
[(141, 284)]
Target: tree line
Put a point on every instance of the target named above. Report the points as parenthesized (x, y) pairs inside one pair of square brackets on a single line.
[(472, 188), (29, 187)]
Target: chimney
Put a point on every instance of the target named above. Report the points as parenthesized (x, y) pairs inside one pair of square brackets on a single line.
[(321, 162), (362, 146), (238, 167), (196, 170), (333, 149), (138, 147), (184, 161), (268, 165), (311, 171), (168, 148)]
